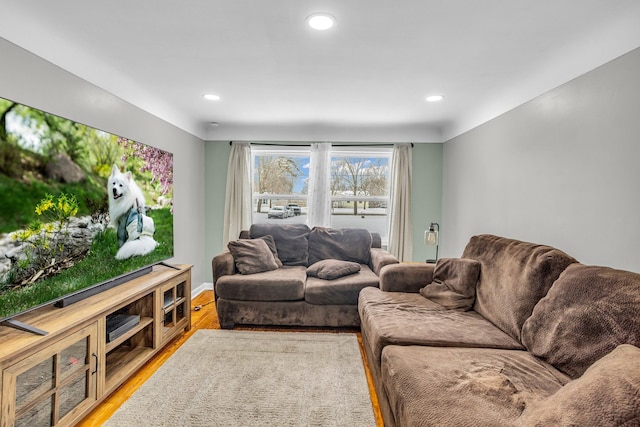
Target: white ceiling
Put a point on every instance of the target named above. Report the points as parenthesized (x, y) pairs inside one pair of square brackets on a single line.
[(366, 79)]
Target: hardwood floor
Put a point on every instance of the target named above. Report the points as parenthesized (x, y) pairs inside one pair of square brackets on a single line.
[(205, 318)]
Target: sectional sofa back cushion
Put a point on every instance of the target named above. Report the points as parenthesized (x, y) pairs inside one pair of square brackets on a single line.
[(292, 241), (607, 394), (514, 276), (586, 314), (345, 244)]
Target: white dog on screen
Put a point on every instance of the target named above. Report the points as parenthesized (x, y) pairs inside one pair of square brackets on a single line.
[(127, 215)]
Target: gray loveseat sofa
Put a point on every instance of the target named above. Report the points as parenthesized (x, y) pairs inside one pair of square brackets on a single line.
[(511, 334), (306, 277)]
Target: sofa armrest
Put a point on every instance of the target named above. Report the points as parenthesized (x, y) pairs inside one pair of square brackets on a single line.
[(222, 264), (406, 277), (380, 258)]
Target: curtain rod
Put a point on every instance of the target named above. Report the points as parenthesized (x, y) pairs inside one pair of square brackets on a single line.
[(333, 145)]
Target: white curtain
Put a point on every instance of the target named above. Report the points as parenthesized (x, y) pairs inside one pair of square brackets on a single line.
[(319, 198), (400, 227), (238, 203)]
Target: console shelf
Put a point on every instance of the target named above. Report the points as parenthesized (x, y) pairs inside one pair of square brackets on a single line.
[(56, 379), (144, 322), (123, 362)]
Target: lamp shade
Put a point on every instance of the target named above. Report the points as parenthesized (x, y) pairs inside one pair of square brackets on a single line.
[(431, 237)]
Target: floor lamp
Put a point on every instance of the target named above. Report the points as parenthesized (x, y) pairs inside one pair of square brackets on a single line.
[(431, 239)]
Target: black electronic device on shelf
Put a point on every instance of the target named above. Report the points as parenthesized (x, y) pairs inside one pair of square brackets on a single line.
[(118, 324)]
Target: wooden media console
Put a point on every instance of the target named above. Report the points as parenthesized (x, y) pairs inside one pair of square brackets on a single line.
[(56, 379)]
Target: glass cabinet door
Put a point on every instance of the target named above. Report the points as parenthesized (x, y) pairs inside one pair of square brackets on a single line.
[(53, 385), (175, 308)]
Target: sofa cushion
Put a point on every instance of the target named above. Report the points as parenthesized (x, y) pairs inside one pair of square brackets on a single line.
[(410, 319), (587, 313), (343, 290), (272, 246), (454, 283), (607, 394), (330, 269), (283, 284), (292, 241), (514, 276), (289, 313), (464, 386), (347, 244), (252, 256)]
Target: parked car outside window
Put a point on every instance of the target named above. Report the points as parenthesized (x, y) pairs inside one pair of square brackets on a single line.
[(295, 208), (278, 212)]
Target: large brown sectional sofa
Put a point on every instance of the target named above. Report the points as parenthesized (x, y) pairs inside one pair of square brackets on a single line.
[(511, 333), (315, 281)]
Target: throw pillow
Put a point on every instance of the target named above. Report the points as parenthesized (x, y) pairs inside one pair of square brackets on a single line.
[(607, 394), (454, 283), (330, 269), (270, 241), (252, 256)]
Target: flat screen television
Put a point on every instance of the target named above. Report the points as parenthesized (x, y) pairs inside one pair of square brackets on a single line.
[(81, 210)]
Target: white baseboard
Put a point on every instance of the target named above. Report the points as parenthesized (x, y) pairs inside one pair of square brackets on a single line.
[(201, 288)]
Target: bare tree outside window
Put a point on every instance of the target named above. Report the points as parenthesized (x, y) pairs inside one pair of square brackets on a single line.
[(359, 177), (275, 175), (376, 182)]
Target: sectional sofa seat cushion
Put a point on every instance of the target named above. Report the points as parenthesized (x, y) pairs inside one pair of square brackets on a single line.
[(292, 241), (442, 386), (514, 276), (330, 269), (454, 283), (347, 244), (252, 256), (607, 394), (343, 290), (389, 318), (283, 284), (587, 313)]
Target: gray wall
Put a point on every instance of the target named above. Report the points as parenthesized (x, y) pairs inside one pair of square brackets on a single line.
[(561, 169), (216, 155), (426, 203), (32, 81), (426, 197)]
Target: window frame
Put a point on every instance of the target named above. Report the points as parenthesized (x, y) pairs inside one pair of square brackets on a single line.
[(275, 150), (337, 151)]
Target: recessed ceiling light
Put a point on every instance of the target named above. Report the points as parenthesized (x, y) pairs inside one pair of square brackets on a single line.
[(211, 97), (321, 21), (435, 98)]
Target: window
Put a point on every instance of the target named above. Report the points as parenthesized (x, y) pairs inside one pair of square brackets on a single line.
[(280, 183), (359, 186)]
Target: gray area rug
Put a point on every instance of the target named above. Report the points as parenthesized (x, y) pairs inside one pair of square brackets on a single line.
[(247, 378)]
